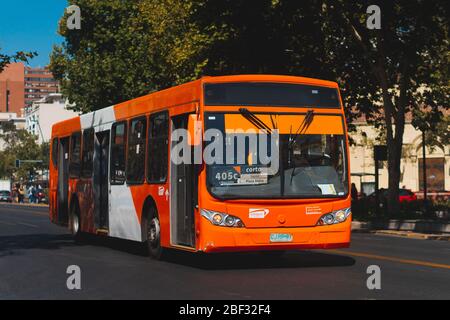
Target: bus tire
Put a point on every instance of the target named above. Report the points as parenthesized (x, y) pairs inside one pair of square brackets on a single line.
[(75, 222), (153, 234)]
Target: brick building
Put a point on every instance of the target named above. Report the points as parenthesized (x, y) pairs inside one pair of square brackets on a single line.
[(39, 83), (20, 86), (12, 88)]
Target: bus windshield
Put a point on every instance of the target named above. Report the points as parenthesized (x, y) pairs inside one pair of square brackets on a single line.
[(309, 165)]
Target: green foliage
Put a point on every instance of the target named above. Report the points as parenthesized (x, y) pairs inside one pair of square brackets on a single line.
[(20, 144), (6, 59), (126, 49), (436, 126), (405, 64)]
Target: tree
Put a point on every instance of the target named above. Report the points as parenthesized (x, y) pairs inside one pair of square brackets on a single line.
[(404, 65), (126, 49), (271, 37), (20, 144)]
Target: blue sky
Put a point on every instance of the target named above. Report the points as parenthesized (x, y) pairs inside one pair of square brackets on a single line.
[(30, 25)]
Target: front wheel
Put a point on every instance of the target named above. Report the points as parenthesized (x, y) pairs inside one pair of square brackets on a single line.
[(153, 233)]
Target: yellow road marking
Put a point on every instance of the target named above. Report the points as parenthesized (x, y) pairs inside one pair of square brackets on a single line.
[(393, 259)]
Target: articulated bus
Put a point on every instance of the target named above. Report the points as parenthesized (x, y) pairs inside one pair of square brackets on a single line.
[(117, 172)]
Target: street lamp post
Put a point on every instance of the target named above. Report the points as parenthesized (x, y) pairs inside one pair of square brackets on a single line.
[(424, 173)]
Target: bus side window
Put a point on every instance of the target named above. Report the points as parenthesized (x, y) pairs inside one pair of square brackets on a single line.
[(118, 153), (158, 142), (55, 152), (136, 151), (88, 153), (75, 155)]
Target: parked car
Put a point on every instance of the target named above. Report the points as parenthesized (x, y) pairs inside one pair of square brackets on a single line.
[(5, 196), (405, 195)]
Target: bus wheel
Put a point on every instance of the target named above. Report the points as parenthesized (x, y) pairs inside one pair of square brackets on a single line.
[(153, 232), (75, 222)]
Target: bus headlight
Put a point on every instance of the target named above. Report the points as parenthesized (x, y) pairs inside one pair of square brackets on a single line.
[(334, 217), (222, 219), (340, 216), (230, 221), (217, 218), (328, 218)]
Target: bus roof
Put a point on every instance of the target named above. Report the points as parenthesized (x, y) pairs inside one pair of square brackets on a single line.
[(269, 78), (184, 93)]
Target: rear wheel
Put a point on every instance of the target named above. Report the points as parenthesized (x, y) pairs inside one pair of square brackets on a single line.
[(153, 234), (75, 226)]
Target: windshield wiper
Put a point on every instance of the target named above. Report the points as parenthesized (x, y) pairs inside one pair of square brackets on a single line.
[(253, 119), (307, 120)]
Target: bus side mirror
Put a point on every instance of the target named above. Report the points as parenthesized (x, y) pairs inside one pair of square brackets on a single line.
[(195, 130)]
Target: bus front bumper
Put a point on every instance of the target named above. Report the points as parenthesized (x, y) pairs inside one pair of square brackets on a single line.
[(223, 239)]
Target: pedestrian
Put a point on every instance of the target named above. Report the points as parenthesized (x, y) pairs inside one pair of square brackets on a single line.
[(35, 197), (354, 192), (15, 193), (21, 194), (31, 194)]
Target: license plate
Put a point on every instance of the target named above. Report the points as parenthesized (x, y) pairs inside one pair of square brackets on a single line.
[(281, 237)]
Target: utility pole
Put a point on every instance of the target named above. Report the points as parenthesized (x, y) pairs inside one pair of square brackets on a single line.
[(7, 95), (377, 187), (424, 172), (379, 154)]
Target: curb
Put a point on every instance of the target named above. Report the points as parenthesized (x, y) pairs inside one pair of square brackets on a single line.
[(412, 235), (32, 205), (430, 229), (367, 227)]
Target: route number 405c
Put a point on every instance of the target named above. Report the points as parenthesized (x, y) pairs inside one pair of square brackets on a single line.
[(227, 176), (245, 309)]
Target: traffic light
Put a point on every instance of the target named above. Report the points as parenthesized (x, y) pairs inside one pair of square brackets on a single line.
[(17, 163)]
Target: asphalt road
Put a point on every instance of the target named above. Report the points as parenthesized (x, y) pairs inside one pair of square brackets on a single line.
[(35, 254)]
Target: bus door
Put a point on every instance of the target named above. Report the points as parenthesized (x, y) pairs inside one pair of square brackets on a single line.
[(101, 174), (63, 180), (182, 190)]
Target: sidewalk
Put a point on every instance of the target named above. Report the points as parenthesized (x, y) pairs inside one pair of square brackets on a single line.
[(25, 204), (414, 229), (413, 235)]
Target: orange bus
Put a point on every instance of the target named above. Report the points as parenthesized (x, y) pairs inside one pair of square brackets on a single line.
[(113, 171)]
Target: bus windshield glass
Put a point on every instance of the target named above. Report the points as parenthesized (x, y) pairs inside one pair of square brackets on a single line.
[(270, 94), (310, 164)]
